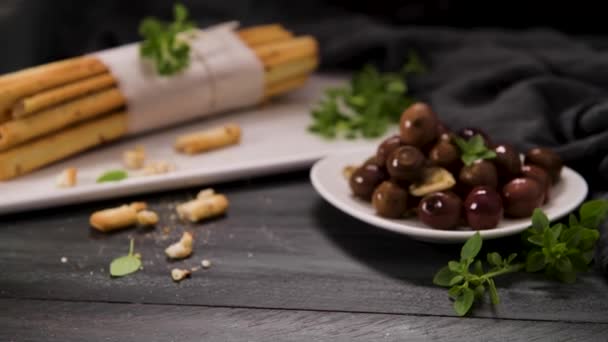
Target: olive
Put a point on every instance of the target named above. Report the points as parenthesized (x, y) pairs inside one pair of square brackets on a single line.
[(365, 179), (540, 175), (418, 125), (522, 195), (387, 147), (446, 155), (389, 200), (483, 208), (469, 132), (507, 161), (440, 210), (406, 163), (548, 160), (481, 172)]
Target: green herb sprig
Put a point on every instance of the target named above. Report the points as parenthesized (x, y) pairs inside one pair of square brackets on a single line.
[(127, 264), (561, 251), (112, 176), (367, 105), (473, 149), (161, 44)]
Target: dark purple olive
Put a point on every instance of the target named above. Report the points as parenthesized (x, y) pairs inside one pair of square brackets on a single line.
[(390, 200), (365, 179), (507, 161), (548, 160), (540, 175), (387, 147), (522, 196), (440, 210), (469, 132), (483, 208), (480, 173), (418, 125), (446, 155), (406, 164)]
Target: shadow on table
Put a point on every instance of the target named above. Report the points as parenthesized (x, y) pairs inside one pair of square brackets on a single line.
[(394, 255)]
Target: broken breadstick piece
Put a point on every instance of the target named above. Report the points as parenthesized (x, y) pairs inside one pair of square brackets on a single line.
[(134, 159), (139, 206), (205, 193), (147, 218), (182, 248), (208, 139), (116, 218), (67, 178), (203, 208), (178, 274), (158, 168)]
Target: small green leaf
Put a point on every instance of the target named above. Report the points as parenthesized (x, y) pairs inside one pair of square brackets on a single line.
[(112, 176), (556, 230), (471, 247), (455, 291), (572, 220), (456, 280), (567, 277), (563, 264), (593, 212), (494, 259), (493, 292), (476, 145), (536, 240), (126, 264), (549, 239), (454, 266), (572, 236), (469, 159), (464, 301), (488, 155), (579, 264), (443, 276), (480, 290), (535, 261), (478, 268), (511, 257), (540, 221), (396, 87)]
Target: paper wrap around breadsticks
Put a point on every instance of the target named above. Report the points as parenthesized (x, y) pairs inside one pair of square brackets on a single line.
[(224, 74)]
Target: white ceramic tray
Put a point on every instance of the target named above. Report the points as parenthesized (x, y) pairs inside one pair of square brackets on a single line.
[(326, 176), (275, 139)]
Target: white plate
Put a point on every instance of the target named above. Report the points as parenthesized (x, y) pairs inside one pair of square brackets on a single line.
[(326, 176), (275, 139)]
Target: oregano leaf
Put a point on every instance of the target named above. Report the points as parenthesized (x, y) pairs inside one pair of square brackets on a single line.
[(112, 176), (471, 247), (443, 276), (464, 301)]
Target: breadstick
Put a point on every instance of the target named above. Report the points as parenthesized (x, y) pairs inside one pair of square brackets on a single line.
[(59, 145), (208, 139), (18, 131), (286, 51), (289, 70), (284, 87), (34, 103), (37, 71), (264, 34), (181, 249), (203, 208), (115, 218), (79, 68)]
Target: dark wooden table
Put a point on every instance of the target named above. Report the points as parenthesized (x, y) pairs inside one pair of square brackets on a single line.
[(286, 266)]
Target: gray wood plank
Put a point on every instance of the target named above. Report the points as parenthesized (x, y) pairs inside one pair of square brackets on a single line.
[(281, 246), (33, 320)]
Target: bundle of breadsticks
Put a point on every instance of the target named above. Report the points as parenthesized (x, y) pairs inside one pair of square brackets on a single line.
[(53, 111)]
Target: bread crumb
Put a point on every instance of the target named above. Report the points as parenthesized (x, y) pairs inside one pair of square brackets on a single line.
[(181, 249), (179, 274), (206, 205), (206, 263), (67, 178), (158, 168), (134, 159), (64, 260), (147, 218)]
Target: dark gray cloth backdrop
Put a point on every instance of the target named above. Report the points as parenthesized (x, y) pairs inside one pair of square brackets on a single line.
[(529, 87)]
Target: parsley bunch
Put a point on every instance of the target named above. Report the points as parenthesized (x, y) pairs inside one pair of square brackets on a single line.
[(473, 149), (162, 45), (561, 251), (367, 105)]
